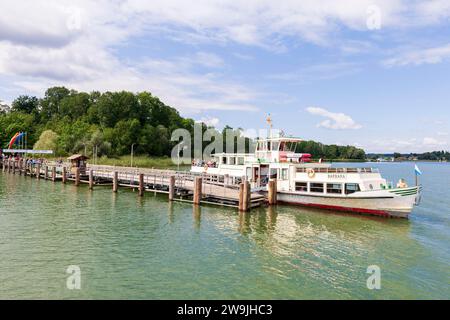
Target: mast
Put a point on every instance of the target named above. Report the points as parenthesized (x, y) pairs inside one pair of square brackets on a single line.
[(270, 123)]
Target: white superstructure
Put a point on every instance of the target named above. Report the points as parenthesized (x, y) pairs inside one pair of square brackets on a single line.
[(301, 182)]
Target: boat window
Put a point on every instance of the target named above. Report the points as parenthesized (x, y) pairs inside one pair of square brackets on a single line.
[(275, 146), (284, 174), (335, 188), (352, 188), (273, 173), (240, 161), (301, 186), (316, 187), (232, 160), (248, 172), (224, 160)]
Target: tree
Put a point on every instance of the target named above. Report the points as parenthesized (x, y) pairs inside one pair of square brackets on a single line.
[(47, 141), (25, 104)]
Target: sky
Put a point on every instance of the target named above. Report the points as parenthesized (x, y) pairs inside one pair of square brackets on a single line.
[(374, 74)]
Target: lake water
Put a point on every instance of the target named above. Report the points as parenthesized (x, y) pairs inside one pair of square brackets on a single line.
[(148, 248)]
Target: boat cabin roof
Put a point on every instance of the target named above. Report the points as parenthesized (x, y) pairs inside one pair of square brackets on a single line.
[(281, 139)]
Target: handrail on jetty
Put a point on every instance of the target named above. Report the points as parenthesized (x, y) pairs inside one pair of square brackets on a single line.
[(179, 185)]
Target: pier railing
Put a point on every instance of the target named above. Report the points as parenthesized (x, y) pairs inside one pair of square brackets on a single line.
[(203, 187), (338, 170)]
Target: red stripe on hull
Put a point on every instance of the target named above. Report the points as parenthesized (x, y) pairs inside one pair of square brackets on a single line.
[(379, 213)]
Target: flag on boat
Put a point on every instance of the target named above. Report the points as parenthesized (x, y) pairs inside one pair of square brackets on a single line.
[(418, 172)]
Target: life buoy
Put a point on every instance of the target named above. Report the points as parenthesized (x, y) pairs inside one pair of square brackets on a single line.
[(205, 168), (311, 173)]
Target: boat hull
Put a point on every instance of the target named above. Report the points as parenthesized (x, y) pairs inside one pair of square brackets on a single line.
[(385, 206)]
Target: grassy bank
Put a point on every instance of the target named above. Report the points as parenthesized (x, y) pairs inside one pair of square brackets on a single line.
[(138, 161)]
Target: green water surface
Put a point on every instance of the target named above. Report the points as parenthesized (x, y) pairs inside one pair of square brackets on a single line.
[(132, 248)]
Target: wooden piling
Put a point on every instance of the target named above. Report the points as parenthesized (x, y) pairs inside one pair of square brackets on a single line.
[(115, 181), (77, 177), (91, 179), (272, 192), (46, 172), (171, 188), (246, 196), (53, 174), (197, 190), (64, 175), (141, 184), (241, 196), (14, 167), (38, 171), (275, 194)]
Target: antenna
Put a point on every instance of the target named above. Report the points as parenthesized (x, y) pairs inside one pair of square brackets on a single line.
[(269, 122)]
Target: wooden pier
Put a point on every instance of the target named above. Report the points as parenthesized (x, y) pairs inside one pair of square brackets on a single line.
[(179, 186)]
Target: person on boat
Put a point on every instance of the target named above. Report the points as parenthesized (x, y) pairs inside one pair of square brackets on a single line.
[(402, 184)]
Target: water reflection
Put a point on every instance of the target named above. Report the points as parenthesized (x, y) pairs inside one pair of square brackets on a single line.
[(197, 214), (170, 212)]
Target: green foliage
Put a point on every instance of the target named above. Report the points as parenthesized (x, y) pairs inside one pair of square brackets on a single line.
[(331, 152), (435, 156), (47, 141), (109, 122), (25, 104), (113, 122)]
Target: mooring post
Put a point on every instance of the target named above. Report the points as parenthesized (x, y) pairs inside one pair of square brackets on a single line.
[(91, 179), (246, 196), (171, 188), (9, 165), (77, 177), (197, 190), (38, 171), (53, 173), (271, 192), (115, 181), (46, 172), (64, 175), (275, 192), (241, 196), (14, 166), (141, 184)]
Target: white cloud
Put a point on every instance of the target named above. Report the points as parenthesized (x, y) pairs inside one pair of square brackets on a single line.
[(335, 121), (433, 142), (210, 121), (318, 72), (44, 43), (419, 57)]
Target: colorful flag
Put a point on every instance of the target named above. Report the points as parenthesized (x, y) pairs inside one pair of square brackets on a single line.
[(418, 172)]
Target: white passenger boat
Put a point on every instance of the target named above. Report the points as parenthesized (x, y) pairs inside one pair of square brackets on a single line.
[(301, 182)]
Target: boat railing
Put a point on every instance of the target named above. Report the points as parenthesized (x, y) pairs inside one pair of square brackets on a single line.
[(338, 170)]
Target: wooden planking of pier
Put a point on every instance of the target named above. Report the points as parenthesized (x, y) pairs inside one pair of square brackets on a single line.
[(199, 189)]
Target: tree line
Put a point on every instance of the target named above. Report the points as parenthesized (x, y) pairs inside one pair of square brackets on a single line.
[(68, 121)]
